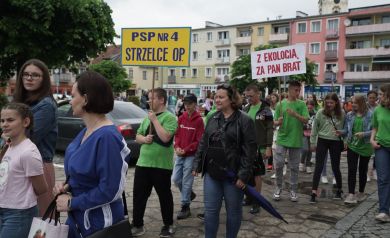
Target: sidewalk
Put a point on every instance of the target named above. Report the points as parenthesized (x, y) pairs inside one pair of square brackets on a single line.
[(327, 218)]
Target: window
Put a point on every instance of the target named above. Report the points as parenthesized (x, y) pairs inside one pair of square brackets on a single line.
[(222, 71), (183, 73), (209, 54), (315, 26), (314, 48), (223, 53), (331, 46), (144, 74), (172, 72), (195, 38), (209, 36), (194, 72), (333, 24), (131, 73), (385, 19), (260, 31), (360, 44), (330, 67), (194, 55), (316, 69), (359, 67), (208, 72), (361, 22), (281, 30), (223, 35), (244, 33), (246, 51), (302, 27), (385, 42)]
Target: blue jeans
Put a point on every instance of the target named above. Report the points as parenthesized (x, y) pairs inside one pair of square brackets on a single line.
[(214, 192), (182, 177), (16, 223), (382, 162)]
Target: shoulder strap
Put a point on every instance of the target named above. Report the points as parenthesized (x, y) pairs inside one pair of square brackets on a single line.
[(334, 125)]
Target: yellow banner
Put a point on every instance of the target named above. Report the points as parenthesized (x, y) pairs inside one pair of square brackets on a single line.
[(156, 46)]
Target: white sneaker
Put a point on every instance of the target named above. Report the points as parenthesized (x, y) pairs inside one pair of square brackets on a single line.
[(368, 177), (324, 180), (309, 170), (293, 196), (361, 197), (383, 217), (374, 176), (273, 176), (334, 181), (350, 199), (284, 169), (302, 167), (277, 193)]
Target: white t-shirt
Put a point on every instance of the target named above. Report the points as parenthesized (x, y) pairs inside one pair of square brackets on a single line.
[(18, 164)]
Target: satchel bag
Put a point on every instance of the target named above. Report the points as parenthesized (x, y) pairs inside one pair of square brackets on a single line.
[(46, 226), (216, 163), (121, 229)]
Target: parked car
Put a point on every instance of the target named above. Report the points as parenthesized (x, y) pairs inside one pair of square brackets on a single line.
[(126, 116)]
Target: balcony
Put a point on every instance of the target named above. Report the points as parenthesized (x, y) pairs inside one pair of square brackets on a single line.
[(366, 76), (332, 34), (171, 79), (222, 78), (368, 29), (222, 42), (278, 37), (331, 54), (246, 40), (367, 52), (330, 76), (223, 60)]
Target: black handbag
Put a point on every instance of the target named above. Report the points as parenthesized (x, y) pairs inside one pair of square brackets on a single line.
[(216, 163), (121, 229)]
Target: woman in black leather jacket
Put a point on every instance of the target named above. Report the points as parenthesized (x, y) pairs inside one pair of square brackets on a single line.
[(228, 145)]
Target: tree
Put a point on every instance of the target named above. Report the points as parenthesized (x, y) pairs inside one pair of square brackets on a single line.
[(58, 32), (115, 74), (242, 74)]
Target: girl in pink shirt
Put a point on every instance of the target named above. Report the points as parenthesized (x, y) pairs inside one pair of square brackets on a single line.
[(21, 172)]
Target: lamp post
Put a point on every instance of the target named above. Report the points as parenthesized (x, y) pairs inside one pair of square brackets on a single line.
[(57, 73), (335, 69)]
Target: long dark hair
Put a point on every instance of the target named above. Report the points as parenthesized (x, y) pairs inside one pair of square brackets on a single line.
[(337, 110), (22, 95)]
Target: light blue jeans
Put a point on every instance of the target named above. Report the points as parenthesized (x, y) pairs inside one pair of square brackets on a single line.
[(182, 177), (214, 192), (382, 162), (16, 223)]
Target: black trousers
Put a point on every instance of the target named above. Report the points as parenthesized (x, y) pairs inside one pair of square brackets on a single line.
[(144, 180), (354, 159), (323, 145)]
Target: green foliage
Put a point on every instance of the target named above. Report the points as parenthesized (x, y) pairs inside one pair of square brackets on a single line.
[(134, 99), (115, 74), (242, 74), (58, 32)]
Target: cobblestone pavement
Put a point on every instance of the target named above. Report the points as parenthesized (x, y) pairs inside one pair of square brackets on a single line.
[(327, 218)]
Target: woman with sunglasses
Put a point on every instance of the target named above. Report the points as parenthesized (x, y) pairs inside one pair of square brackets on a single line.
[(33, 88), (228, 146)]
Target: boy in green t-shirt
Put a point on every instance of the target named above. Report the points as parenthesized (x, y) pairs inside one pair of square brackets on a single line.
[(290, 115), (155, 163)]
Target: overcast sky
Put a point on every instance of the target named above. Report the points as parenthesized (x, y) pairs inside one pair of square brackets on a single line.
[(194, 13)]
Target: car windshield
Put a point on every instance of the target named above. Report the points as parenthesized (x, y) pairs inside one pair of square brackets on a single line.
[(123, 110)]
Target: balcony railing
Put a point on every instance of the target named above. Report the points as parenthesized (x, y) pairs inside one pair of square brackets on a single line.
[(368, 29), (330, 76), (330, 54), (246, 40), (368, 75), (377, 51), (278, 37), (332, 33), (172, 79), (223, 42), (222, 78), (223, 60)]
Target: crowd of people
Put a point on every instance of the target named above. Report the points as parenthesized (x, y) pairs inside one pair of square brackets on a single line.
[(220, 146)]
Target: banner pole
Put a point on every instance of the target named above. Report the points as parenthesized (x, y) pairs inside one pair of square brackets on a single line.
[(152, 99)]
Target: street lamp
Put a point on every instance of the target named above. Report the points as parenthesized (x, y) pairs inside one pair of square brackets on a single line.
[(57, 73), (335, 69)]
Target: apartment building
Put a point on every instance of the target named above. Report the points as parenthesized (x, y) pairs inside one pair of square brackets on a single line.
[(367, 52)]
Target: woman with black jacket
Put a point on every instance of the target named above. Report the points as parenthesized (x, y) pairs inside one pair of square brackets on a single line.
[(228, 145)]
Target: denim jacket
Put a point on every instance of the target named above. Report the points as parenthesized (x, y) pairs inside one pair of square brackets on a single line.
[(45, 127), (350, 119)]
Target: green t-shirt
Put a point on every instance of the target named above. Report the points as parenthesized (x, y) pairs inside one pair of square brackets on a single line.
[(357, 145), (253, 110), (208, 116), (291, 131), (155, 155), (381, 122)]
